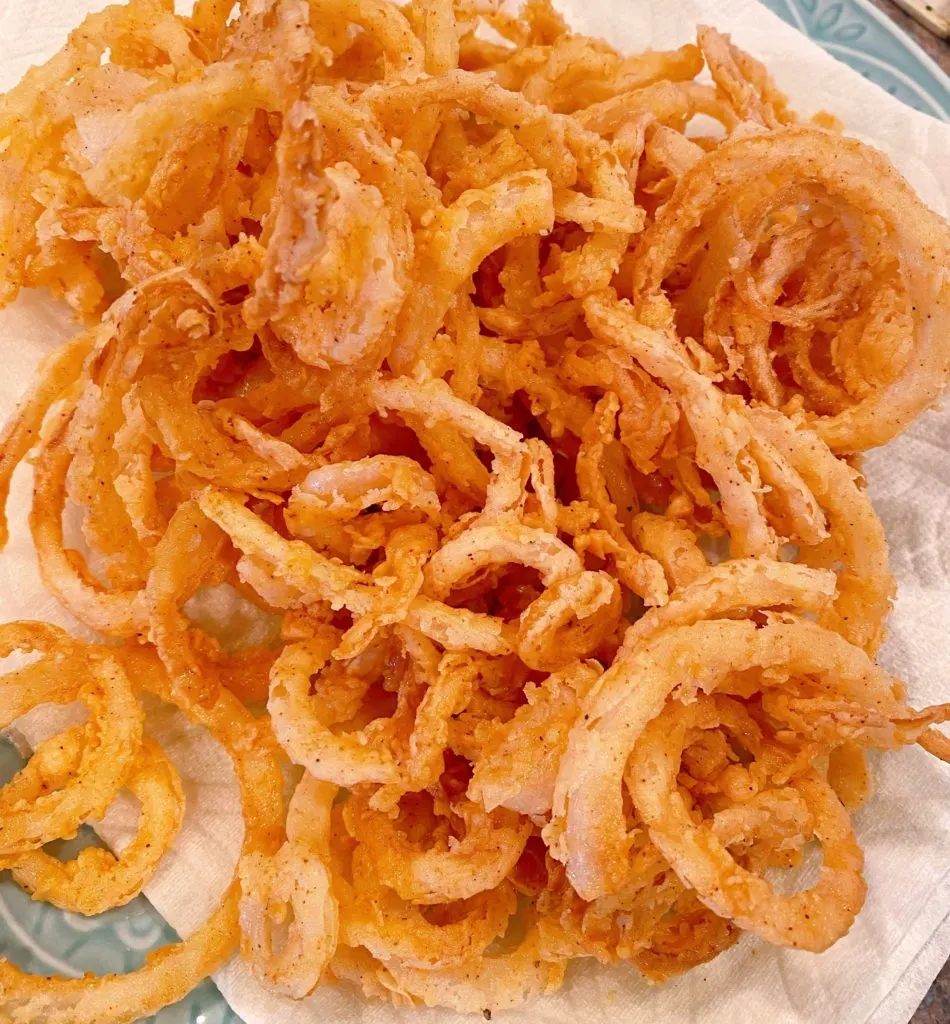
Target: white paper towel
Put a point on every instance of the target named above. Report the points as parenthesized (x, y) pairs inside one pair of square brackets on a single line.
[(879, 972)]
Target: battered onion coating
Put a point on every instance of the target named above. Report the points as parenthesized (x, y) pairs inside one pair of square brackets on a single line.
[(519, 759), (342, 491), (463, 432), (298, 875), (822, 167), (111, 740), (96, 880), (451, 869)]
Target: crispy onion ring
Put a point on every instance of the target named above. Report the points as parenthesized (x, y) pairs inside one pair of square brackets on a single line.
[(440, 419), (302, 723), (121, 998), (813, 919), (339, 492), (448, 870), (114, 612), (672, 545), (856, 548), (456, 242), (569, 620), (639, 571), (113, 737), (96, 880), (560, 146), (588, 832), (293, 562), (518, 760), (736, 586), (691, 935), (434, 401), (58, 373), (494, 982), (295, 878), (848, 774), (336, 271), (400, 578), (481, 547), (447, 695), (51, 764), (726, 446), (864, 178), (390, 928), (186, 553), (304, 576), (720, 428), (345, 760)]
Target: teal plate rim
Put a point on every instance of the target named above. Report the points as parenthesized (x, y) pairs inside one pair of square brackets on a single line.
[(40, 938), (857, 33)]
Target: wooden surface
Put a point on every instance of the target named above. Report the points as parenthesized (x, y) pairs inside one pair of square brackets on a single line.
[(935, 1009), (929, 43)]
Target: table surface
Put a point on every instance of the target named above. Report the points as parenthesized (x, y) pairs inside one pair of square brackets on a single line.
[(927, 41), (935, 1009)]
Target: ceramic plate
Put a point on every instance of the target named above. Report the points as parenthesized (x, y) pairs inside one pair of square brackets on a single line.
[(44, 940), (860, 35)]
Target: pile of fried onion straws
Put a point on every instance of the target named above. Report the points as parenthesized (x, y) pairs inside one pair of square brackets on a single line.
[(516, 390)]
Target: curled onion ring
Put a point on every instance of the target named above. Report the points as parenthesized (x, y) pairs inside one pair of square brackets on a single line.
[(294, 561), (390, 928), (113, 612), (56, 374), (569, 620), (186, 553), (335, 271), (96, 880), (434, 401), (302, 723), (813, 919), (857, 547), (518, 760), (639, 571), (494, 982), (718, 423), (454, 245), (344, 489), (345, 760), (113, 737), (310, 574), (447, 871), (860, 176), (689, 936), (480, 547), (297, 877), (166, 978), (588, 832), (742, 583)]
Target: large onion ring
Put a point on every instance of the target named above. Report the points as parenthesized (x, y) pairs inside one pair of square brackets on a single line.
[(174, 972), (446, 871), (813, 919), (588, 832), (113, 737), (297, 877), (96, 880), (863, 177)]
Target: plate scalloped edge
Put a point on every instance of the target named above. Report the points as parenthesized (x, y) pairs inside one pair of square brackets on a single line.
[(860, 35)]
